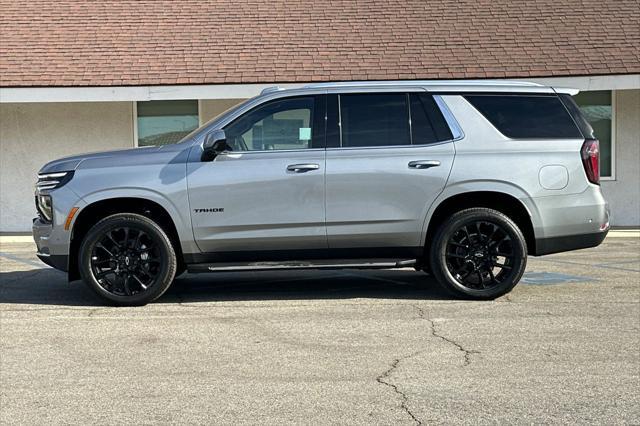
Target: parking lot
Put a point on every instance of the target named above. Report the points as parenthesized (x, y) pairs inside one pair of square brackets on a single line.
[(327, 347)]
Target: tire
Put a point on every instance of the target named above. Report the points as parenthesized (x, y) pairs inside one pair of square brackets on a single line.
[(127, 259), (478, 253)]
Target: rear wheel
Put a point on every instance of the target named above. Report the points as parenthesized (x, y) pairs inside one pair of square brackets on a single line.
[(127, 259), (478, 253)]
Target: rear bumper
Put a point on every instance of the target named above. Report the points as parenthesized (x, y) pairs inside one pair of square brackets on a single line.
[(569, 222), (570, 242)]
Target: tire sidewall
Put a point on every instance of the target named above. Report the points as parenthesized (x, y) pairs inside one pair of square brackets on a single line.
[(439, 261), (134, 221)]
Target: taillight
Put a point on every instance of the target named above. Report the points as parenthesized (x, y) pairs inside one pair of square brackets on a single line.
[(590, 153)]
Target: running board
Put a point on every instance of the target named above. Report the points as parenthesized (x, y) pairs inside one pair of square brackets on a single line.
[(307, 264)]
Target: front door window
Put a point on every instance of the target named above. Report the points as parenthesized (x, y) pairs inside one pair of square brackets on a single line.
[(283, 124)]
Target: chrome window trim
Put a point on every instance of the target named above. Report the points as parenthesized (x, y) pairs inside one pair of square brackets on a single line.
[(269, 151), (408, 101), (456, 130), (424, 145)]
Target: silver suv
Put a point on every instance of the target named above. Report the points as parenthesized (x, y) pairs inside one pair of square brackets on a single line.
[(461, 179)]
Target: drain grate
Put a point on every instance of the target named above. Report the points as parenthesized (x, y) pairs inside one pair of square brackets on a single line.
[(551, 278)]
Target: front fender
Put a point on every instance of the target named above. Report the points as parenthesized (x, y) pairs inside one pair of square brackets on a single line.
[(177, 207)]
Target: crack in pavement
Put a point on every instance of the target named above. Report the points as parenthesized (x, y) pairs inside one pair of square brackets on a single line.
[(405, 399), (434, 332), (384, 377), (95, 311)]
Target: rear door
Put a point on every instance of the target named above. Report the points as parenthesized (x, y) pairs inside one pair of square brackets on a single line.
[(388, 157)]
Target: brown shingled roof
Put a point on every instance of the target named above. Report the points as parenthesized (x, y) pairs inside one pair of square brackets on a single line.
[(104, 43)]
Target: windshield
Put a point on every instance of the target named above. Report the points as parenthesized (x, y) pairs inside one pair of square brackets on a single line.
[(206, 126)]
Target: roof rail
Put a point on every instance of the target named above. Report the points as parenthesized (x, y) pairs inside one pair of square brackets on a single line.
[(270, 89), (479, 83)]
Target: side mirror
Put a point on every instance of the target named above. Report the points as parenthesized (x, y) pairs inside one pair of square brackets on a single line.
[(215, 143)]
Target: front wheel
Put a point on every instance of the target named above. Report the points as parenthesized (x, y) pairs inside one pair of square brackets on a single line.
[(478, 253), (127, 259)]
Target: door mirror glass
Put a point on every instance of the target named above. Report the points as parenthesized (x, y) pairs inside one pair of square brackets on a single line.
[(215, 143)]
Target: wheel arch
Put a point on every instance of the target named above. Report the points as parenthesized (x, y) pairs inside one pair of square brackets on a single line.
[(102, 208), (503, 202)]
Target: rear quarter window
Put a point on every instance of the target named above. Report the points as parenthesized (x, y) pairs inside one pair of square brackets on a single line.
[(527, 116), (578, 117)]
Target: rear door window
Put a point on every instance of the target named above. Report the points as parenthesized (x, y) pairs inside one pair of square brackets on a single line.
[(526, 116), (374, 119), (427, 123)]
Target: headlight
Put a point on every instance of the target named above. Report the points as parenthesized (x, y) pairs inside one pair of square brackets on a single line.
[(45, 208), (49, 181)]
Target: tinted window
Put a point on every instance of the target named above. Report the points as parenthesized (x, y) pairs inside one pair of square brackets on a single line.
[(526, 116), (276, 125), (374, 120), (580, 119), (427, 123)]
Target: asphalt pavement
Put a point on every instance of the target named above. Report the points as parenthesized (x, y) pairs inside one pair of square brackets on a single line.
[(326, 347)]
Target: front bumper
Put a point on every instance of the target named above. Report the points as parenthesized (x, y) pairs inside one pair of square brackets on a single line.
[(52, 240), (59, 262), (49, 249)]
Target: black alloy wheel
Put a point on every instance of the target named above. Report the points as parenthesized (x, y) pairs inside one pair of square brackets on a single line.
[(127, 259), (479, 253)]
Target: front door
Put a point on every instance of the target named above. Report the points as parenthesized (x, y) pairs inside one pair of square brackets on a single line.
[(267, 194), (390, 159)]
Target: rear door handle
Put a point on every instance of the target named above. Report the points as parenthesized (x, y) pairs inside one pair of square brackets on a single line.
[(423, 164), (302, 168)]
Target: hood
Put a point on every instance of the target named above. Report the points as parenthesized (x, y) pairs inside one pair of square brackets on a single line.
[(71, 163)]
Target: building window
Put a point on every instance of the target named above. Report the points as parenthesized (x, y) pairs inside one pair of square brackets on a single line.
[(165, 122), (597, 107)]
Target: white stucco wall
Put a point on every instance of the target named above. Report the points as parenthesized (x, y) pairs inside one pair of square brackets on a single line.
[(32, 134), (623, 193)]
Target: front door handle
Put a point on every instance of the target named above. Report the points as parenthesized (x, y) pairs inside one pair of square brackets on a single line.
[(302, 168), (423, 164)]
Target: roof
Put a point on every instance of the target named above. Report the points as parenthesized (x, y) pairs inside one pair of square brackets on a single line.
[(131, 42)]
